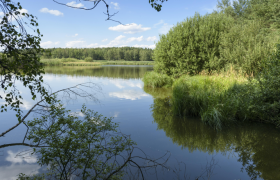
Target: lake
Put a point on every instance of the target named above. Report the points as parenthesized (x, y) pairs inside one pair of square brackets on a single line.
[(244, 151)]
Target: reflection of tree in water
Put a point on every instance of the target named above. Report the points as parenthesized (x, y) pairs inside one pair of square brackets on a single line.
[(257, 145), (125, 72)]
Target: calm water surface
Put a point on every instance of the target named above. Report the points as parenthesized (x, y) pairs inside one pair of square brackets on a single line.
[(246, 151)]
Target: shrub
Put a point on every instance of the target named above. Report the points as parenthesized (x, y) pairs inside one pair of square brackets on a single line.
[(191, 46), (265, 99), (213, 43), (88, 59), (153, 79)]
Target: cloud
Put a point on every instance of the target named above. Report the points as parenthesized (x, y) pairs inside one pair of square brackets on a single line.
[(80, 44), (53, 12), (165, 28), (128, 94), (49, 44), (134, 39), (104, 40), (116, 5), (12, 157), (129, 28), (75, 35), (144, 46), (117, 41), (152, 38), (74, 44), (92, 45), (11, 17), (74, 4)]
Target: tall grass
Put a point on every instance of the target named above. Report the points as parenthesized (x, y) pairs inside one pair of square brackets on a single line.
[(213, 98), (154, 80)]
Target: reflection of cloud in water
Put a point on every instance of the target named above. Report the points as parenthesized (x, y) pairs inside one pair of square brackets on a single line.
[(27, 105), (128, 94), (19, 165), (13, 158), (123, 83), (11, 172), (77, 114)]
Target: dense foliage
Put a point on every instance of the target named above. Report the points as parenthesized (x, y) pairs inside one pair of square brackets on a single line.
[(238, 37), (115, 53)]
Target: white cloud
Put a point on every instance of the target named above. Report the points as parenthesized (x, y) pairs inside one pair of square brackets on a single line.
[(134, 39), (145, 46), (13, 158), (104, 40), (129, 28), (74, 4), (165, 28), (49, 44), (92, 45), (116, 5), (128, 94), (74, 44), (152, 38), (80, 44), (53, 12), (75, 35), (117, 41), (77, 114), (11, 17)]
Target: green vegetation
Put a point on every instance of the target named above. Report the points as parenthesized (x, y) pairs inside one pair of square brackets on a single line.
[(109, 54), (153, 79), (215, 42), (225, 66), (89, 62)]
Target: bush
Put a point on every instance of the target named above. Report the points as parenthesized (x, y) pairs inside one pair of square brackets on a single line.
[(265, 105), (191, 46), (88, 59), (213, 43), (154, 80)]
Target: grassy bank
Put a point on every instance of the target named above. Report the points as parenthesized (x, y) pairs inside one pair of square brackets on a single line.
[(223, 99), (77, 62)]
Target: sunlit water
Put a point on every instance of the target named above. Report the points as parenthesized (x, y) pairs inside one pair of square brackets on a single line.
[(245, 151)]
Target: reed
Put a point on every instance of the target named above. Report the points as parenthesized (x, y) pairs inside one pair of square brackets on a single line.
[(213, 98), (156, 80)]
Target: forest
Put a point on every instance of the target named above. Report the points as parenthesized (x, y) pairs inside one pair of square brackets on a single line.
[(112, 53)]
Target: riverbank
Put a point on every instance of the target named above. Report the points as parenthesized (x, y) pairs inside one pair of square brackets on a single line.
[(76, 62), (223, 99)]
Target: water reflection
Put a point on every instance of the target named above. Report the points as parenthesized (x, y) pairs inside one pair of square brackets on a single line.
[(128, 94), (16, 165), (110, 71), (257, 145)]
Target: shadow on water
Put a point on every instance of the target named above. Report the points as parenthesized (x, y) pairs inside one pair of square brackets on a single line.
[(257, 145)]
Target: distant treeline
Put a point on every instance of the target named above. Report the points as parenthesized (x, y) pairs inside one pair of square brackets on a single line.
[(113, 53)]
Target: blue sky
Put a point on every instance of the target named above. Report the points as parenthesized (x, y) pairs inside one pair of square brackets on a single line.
[(73, 28)]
